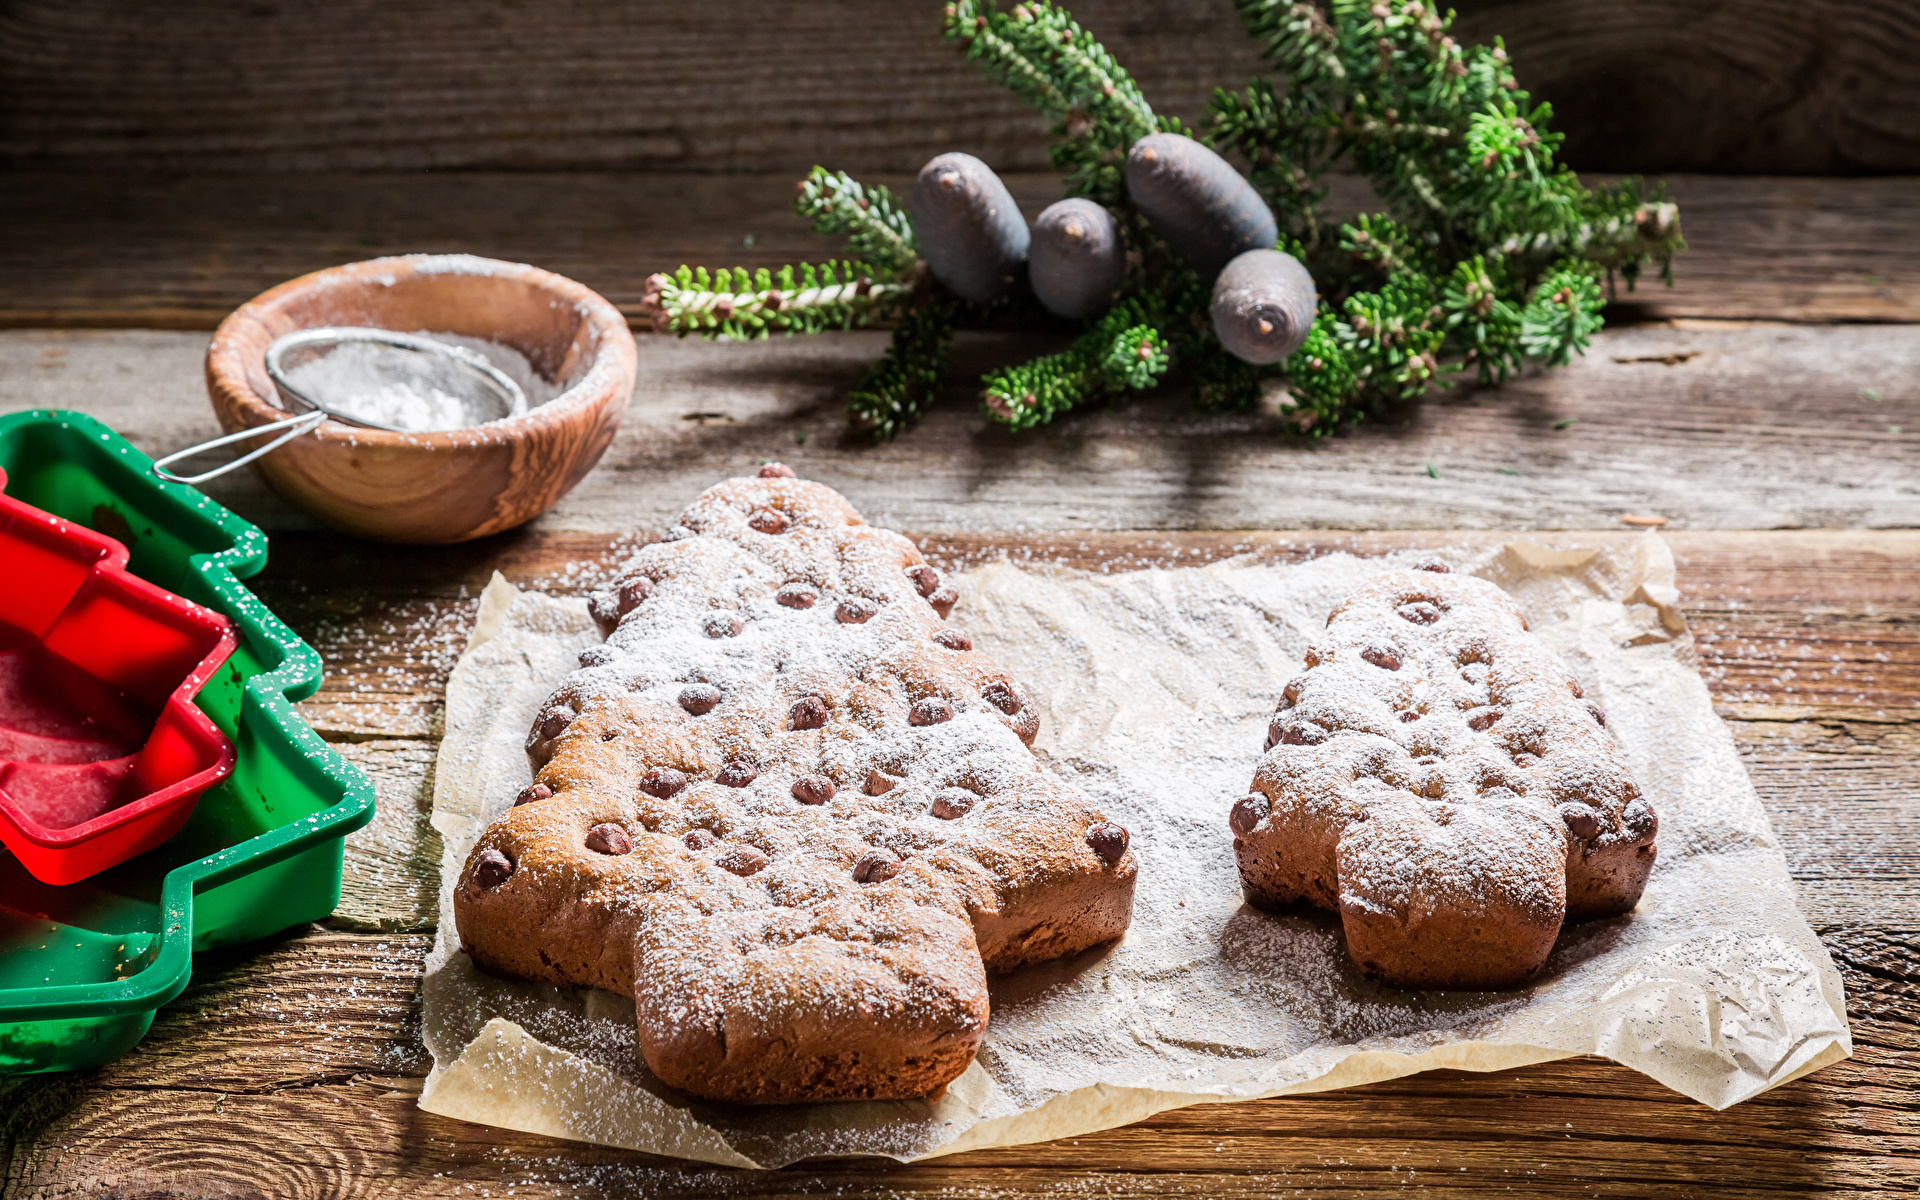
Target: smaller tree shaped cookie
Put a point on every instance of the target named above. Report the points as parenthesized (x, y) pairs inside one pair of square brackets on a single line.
[(1437, 778)]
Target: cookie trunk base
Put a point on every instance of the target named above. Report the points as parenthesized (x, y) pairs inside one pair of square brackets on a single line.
[(1088, 911), (1451, 950), (756, 1069), (1607, 882)]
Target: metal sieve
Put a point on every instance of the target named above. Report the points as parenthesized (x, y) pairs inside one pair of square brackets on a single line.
[(488, 394)]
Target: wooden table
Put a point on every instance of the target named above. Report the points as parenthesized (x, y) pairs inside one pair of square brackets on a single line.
[(291, 1068)]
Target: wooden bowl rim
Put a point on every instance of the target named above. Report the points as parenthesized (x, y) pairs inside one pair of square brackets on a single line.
[(615, 358)]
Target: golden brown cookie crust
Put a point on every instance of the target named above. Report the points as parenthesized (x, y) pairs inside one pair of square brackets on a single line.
[(777, 948), (1436, 777)]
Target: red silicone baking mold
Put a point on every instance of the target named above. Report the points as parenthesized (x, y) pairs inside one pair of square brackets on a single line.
[(103, 753)]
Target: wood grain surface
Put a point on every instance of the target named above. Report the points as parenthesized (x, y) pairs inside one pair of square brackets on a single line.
[(181, 251), (1713, 425), (291, 1069), (1766, 86)]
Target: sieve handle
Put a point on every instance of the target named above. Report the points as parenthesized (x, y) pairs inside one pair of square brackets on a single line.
[(294, 426)]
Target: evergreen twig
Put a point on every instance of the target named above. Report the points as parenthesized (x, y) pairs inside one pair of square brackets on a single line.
[(741, 305), (880, 231), (898, 388), (1124, 350), (1491, 254)]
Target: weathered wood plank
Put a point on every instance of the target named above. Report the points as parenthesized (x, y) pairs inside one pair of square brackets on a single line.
[(391, 877), (315, 1039), (183, 251), (1751, 426), (1651, 85), (1766, 86)]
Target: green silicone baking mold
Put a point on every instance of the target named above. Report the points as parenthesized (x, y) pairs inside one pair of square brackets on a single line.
[(83, 967)]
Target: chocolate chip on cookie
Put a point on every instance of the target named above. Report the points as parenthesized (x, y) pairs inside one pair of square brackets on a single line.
[(809, 712), (737, 774), (796, 595), (662, 782), (1248, 811), (533, 793), (768, 520), (632, 592), (491, 869), (554, 722), (931, 711), (855, 611), (1108, 840), (813, 789), (608, 838), (952, 803), (1420, 612), (1002, 697), (741, 860), (876, 866), (1384, 657), (926, 580)]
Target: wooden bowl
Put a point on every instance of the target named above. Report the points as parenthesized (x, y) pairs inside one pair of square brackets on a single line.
[(434, 487)]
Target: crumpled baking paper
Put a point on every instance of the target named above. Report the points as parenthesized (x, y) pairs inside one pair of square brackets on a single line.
[(1154, 690)]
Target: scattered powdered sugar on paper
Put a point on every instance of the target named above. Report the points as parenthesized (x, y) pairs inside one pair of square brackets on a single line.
[(1155, 688)]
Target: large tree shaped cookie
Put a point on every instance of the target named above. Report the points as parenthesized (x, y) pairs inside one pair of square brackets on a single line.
[(791, 813), (1436, 777)]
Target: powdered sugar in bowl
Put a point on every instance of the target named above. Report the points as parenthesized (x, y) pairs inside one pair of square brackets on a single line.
[(429, 459)]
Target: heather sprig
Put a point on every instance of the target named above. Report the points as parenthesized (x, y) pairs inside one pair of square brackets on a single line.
[(740, 304)]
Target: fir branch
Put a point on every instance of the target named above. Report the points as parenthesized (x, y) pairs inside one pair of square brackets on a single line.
[(1490, 251), (880, 231), (1042, 55), (1298, 40), (1482, 321), (1386, 246), (896, 390), (741, 305), (1563, 315), (1391, 340), (1321, 378), (1124, 350)]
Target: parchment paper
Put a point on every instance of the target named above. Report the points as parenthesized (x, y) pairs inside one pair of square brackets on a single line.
[(1155, 688)]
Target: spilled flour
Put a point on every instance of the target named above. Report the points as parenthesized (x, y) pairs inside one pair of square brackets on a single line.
[(1154, 690)]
